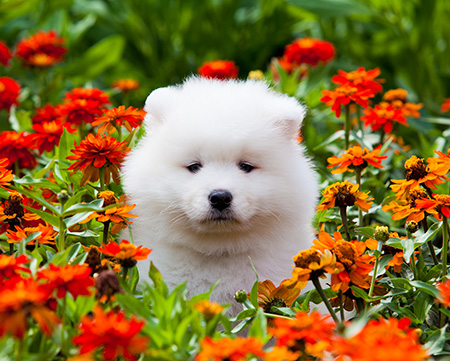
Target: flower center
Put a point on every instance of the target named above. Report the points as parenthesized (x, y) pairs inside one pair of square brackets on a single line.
[(275, 302), (345, 196), (345, 252), (415, 168), (305, 258)]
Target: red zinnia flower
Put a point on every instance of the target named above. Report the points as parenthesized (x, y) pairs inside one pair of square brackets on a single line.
[(42, 49), (80, 111), (219, 69), (5, 54), (12, 266), (308, 51), (445, 107), (9, 92), (96, 152), (93, 94), (116, 117), (113, 333), (16, 148), (126, 253), (361, 78), (126, 85), (444, 293), (48, 113), (47, 136), (383, 116), (343, 95), (76, 280)]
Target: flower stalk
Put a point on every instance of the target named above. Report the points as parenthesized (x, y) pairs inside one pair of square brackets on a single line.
[(343, 211), (444, 245), (319, 289)]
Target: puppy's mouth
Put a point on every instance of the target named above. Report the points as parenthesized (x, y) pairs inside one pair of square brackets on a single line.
[(220, 217)]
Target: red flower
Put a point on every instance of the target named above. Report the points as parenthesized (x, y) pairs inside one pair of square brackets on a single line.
[(16, 148), (116, 117), (445, 107), (5, 54), (308, 51), (444, 292), (47, 136), (343, 95), (12, 266), (361, 78), (113, 333), (73, 279), (49, 113), (42, 49), (219, 69), (80, 111), (383, 116), (93, 94), (9, 92), (6, 175), (125, 253), (96, 152)]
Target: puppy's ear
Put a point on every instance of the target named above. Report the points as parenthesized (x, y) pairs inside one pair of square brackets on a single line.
[(157, 104), (291, 117)]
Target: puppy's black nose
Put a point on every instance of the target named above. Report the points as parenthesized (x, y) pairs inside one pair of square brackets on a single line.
[(220, 199)]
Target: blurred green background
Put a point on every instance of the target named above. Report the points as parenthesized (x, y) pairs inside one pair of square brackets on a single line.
[(159, 42)]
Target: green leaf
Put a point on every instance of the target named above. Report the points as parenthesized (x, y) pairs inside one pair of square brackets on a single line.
[(258, 328), (47, 217), (158, 281), (436, 341), (66, 143), (333, 8), (70, 221), (425, 287), (422, 305), (365, 231), (93, 206)]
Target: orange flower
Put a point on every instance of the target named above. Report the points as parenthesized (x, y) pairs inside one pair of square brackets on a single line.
[(444, 292), (445, 107), (309, 51), (46, 234), (356, 157), (353, 265), (344, 194), (383, 116), (308, 334), (418, 173), (23, 298), (117, 215), (73, 279), (112, 333), (406, 206), (361, 78), (125, 253), (9, 93), (439, 205), (5, 54), (41, 49), (208, 309), (92, 94), (219, 69), (390, 339), (442, 158), (397, 255), (6, 175), (11, 266), (397, 98), (116, 117), (15, 147), (126, 85), (344, 95), (224, 349), (95, 153), (270, 296), (13, 214)]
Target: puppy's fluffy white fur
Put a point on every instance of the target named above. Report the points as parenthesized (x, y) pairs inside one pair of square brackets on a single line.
[(219, 126)]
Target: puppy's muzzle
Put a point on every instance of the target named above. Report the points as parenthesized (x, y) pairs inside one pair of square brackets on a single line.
[(220, 199)]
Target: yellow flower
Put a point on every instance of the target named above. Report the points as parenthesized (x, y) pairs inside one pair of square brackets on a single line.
[(344, 194), (208, 309), (354, 158)]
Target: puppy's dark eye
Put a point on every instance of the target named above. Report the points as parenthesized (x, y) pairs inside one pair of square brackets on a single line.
[(246, 167), (194, 167)]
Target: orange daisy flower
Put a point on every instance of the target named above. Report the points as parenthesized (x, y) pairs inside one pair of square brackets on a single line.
[(96, 152), (6, 175), (224, 349), (112, 333), (418, 173), (219, 69), (442, 158), (383, 116), (208, 309), (126, 85), (270, 296), (21, 299), (356, 157), (16, 147), (361, 78), (309, 51), (439, 205), (345, 94), (445, 107), (444, 292), (397, 255), (398, 99), (5, 54), (344, 194), (390, 339), (406, 207), (116, 117), (12, 266), (125, 253), (12, 214), (308, 334), (46, 234), (353, 265), (9, 93), (42, 49)]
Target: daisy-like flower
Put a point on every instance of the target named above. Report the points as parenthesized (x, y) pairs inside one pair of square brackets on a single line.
[(356, 158), (344, 95), (361, 78), (126, 253), (126, 85), (406, 206), (307, 334), (418, 173), (344, 194), (47, 136), (441, 158), (80, 111), (382, 339), (271, 296), (398, 99), (439, 205), (219, 69), (15, 147), (47, 234), (11, 267), (224, 349), (95, 153), (113, 334), (208, 309), (93, 94), (13, 214), (5, 54), (397, 254), (116, 117), (6, 175), (444, 292), (23, 299), (42, 49), (46, 114), (309, 51), (9, 92), (383, 116), (445, 107), (75, 280)]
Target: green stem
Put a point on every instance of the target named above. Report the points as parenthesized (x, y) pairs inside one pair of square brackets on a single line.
[(63, 326), (358, 116), (119, 133), (125, 273), (444, 254), (430, 242), (375, 270), (102, 179), (341, 303), (412, 260), (358, 181), (62, 231), (319, 289), (343, 211), (348, 124), (19, 349), (11, 249), (105, 232)]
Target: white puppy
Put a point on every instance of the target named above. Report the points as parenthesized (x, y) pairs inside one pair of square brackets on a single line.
[(219, 178)]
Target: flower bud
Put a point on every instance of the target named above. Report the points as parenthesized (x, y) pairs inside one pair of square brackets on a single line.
[(63, 196), (381, 233), (412, 226), (240, 296)]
